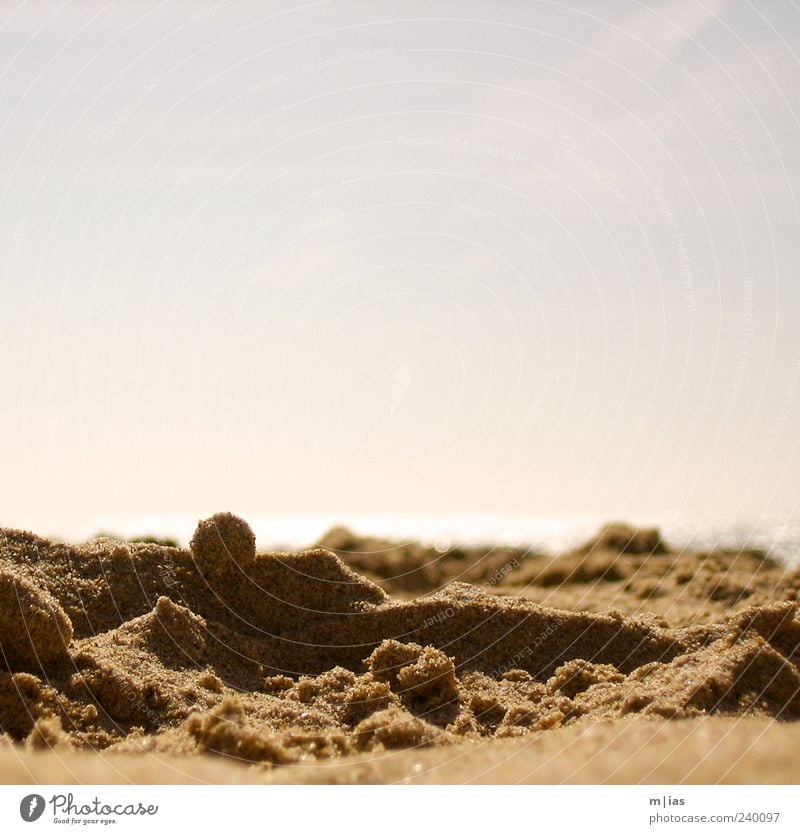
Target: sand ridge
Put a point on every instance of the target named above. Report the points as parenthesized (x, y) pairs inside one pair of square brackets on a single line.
[(286, 659)]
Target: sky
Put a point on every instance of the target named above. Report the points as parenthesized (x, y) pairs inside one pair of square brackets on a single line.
[(523, 258)]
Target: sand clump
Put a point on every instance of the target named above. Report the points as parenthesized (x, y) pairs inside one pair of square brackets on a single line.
[(290, 659), (221, 544), (421, 674)]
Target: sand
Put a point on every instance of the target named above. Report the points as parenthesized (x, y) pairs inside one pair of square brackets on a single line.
[(361, 660)]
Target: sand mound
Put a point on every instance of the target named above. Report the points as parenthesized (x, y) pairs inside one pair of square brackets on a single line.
[(624, 538), (34, 630), (292, 658), (410, 568)]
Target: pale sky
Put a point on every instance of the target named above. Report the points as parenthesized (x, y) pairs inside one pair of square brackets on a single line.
[(336, 257)]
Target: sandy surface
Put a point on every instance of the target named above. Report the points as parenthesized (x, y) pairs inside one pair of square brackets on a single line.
[(369, 661), (633, 751)]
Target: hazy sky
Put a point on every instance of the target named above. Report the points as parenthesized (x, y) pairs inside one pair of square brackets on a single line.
[(504, 257)]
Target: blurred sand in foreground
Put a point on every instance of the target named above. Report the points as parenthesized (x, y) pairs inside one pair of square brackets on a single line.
[(628, 751)]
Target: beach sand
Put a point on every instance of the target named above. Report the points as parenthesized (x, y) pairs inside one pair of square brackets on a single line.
[(368, 661)]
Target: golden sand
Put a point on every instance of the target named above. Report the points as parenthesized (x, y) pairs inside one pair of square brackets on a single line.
[(364, 660)]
